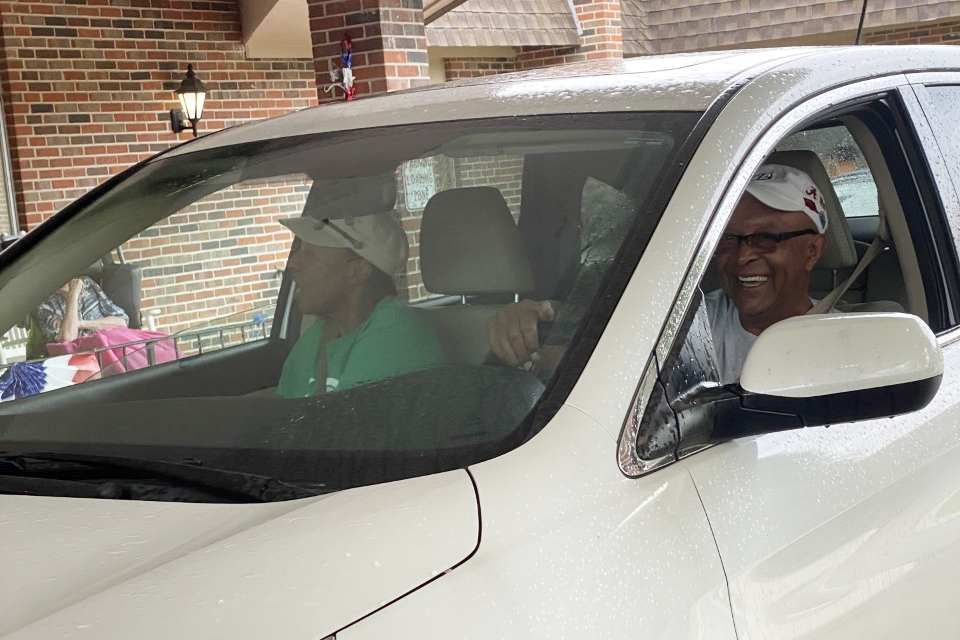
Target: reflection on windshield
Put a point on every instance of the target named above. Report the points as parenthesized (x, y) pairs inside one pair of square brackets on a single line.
[(314, 309)]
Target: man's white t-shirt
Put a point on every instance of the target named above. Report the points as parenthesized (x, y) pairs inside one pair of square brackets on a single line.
[(731, 342)]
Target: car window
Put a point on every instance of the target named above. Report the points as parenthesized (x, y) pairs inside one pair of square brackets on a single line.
[(204, 278), (247, 258), (211, 271), (943, 109), (845, 164), (681, 405)]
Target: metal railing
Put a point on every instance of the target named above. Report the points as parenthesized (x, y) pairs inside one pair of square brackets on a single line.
[(117, 358)]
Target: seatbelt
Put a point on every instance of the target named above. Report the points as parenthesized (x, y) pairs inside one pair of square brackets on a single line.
[(879, 243)]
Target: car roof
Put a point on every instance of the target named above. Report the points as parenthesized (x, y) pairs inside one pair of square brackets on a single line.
[(677, 82)]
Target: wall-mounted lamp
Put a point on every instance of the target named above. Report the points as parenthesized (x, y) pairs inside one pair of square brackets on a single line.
[(191, 94)]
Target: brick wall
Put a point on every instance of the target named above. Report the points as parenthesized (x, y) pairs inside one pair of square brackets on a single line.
[(503, 172), (219, 256), (602, 38), (90, 84), (941, 32), (458, 68)]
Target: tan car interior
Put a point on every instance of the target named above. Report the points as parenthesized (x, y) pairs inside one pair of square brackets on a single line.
[(470, 246)]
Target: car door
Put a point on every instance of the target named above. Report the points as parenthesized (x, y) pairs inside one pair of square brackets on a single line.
[(848, 530)]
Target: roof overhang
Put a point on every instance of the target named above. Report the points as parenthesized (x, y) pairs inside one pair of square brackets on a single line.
[(281, 28)]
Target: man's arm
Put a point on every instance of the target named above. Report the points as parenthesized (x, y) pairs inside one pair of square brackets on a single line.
[(512, 331)]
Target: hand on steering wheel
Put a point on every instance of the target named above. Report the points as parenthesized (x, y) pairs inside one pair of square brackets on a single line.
[(512, 331)]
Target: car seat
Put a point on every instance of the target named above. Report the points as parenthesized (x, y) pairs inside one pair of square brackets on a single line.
[(470, 247)]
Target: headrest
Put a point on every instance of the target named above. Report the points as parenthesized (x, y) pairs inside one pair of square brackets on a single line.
[(840, 251), (470, 244)]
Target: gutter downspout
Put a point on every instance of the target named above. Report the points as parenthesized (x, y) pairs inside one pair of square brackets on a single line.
[(8, 174), (576, 20)]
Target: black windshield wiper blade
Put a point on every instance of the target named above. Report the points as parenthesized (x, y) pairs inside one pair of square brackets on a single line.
[(22, 468)]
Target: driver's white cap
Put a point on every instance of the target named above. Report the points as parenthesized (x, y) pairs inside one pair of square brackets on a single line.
[(788, 189), (377, 238)]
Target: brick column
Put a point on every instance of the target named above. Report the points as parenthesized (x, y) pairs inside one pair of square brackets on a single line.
[(389, 44), (602, 36)]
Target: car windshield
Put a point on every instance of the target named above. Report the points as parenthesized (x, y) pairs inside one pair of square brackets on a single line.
[(313, 309)]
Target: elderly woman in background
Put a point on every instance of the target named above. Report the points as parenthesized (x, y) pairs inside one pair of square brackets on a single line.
[(78, 308)]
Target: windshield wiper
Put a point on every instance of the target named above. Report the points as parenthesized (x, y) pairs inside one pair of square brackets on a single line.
[(122, 478)]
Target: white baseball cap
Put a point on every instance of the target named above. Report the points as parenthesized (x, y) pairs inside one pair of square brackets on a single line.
[(357, 214), (377, 238), (788, 189)]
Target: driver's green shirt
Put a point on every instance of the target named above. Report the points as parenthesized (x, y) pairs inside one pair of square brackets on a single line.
[(392, 341)]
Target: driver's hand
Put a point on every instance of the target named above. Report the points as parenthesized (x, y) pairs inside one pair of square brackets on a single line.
[(512, 331)]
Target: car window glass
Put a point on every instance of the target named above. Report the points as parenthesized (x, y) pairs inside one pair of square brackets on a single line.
[(204, 278), (212, 270), (488, 211), (847, 168), (943, 109)]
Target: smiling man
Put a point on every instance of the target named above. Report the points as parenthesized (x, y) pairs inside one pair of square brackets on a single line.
[(764, 260)]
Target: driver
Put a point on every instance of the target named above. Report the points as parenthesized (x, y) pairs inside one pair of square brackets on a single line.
[(343, 270)]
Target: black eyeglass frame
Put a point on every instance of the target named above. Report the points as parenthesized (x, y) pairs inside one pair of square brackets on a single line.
[(762, 242)]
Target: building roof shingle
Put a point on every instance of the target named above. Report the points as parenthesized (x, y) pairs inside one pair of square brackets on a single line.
[(656, 26), (505, 23)]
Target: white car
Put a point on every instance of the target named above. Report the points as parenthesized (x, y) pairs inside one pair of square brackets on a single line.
[(614, 489)]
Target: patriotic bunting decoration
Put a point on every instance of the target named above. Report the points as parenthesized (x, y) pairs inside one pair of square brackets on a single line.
[(22, 379)]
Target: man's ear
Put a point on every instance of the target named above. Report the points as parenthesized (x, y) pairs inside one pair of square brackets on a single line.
[(358, 271), (818, 244)]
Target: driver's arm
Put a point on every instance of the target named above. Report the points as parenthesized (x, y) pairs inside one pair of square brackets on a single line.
[(512, 331)]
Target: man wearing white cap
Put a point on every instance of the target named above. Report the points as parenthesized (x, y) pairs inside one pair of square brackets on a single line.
[(764, 260), (343, 269)]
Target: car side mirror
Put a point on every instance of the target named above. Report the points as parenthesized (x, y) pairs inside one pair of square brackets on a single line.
[(823, 369)]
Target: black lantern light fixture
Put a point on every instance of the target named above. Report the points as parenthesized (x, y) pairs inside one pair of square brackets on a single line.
[(191, 94)]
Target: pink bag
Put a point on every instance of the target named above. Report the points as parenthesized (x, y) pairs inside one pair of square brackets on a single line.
[(134, 354)]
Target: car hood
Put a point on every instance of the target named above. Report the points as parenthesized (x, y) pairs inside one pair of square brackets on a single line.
[(109, 569)]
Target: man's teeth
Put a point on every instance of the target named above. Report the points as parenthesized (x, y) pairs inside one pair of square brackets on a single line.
[(751, 281)]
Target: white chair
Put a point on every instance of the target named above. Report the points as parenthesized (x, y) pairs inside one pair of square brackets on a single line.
[(13, 345)]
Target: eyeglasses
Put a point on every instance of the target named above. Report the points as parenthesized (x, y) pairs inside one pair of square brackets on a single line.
[(759, 242)]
